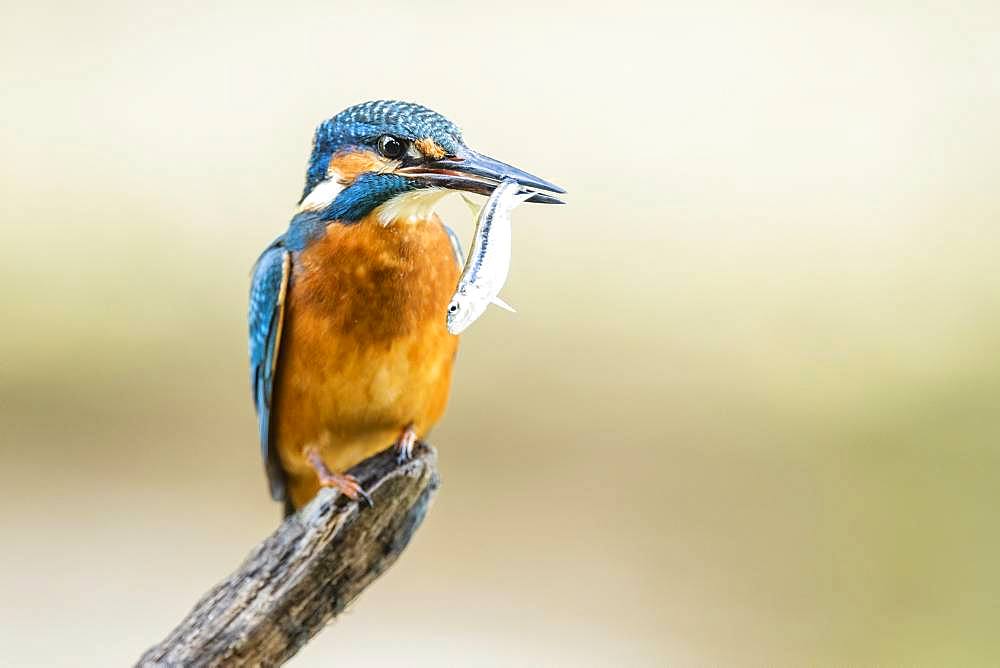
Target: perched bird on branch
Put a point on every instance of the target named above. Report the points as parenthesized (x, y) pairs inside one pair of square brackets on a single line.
[(349, 352)]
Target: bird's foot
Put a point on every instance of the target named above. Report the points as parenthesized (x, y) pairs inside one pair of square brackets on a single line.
[(346, 484), (404, 445)]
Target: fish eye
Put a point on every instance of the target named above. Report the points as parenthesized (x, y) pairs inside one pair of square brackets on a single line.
[(391, 147), (453, 307)]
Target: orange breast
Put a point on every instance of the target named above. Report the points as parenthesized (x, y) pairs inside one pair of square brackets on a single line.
[(364, 348)]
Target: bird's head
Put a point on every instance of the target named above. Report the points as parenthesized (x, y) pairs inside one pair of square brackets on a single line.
[(400, 158)]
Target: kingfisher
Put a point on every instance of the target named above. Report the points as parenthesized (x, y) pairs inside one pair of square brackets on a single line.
[(349, 351)]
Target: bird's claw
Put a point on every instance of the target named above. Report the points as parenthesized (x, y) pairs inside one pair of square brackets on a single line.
[(404, 446), (347, 485), (344, 483)]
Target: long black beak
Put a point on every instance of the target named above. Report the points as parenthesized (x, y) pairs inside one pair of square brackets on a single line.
[(476, 173)]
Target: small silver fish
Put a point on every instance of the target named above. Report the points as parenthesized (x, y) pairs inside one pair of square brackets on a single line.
[(488, 263)]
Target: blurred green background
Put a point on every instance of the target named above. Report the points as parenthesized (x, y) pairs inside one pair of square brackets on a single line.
[(747, 413)]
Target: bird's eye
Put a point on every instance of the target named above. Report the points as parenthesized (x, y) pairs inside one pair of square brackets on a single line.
[(390, 147)]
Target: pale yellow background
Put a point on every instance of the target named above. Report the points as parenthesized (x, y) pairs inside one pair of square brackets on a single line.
[(747, 413)]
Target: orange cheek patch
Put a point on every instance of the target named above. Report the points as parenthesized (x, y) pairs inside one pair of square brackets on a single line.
[(429, 148), (349, 164)]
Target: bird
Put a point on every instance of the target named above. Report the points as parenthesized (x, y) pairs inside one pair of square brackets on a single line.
[(349, 351)]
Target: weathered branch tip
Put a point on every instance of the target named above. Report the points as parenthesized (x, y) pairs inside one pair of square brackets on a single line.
[(303, 575)]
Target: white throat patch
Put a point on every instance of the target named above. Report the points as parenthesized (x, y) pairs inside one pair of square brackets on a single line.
[(410, 207), (322, 194)]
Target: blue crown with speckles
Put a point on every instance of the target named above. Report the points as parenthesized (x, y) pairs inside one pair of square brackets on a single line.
[(363, 123)]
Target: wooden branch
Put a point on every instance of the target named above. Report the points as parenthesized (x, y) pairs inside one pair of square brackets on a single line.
[(305, 574)]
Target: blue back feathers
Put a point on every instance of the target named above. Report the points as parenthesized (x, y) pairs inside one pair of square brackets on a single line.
[(264, 318)]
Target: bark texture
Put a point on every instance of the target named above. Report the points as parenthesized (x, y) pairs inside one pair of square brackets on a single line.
[(305, 573)]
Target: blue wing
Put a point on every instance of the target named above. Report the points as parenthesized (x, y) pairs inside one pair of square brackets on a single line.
[(267, 306), (456, 246)]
